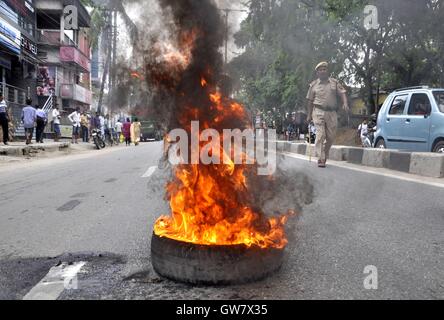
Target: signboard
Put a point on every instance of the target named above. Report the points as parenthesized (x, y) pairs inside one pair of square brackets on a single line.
[(29, 46), (10, 37), (8, 11), (23, 7)]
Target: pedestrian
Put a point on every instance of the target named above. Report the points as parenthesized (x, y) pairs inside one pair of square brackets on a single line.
[(118, 129), (84, 121), (107, 128), (102, 125), (75, 120), (126, 130), (29, 118), (4, 119), (363, 131), (323, 105), (56, 121), (41, 120), (135, 131)]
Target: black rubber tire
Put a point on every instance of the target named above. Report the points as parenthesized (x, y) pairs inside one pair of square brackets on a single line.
[(381, 143), (102, 144), (439, 147), (96, 142), (212, 265)]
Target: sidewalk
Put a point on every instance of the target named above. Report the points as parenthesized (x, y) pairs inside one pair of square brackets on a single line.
[(20, 149)]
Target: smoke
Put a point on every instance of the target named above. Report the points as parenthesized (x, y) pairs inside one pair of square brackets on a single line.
[(180, 55)]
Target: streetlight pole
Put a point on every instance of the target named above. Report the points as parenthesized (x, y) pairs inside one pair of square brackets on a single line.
[(227, 12)]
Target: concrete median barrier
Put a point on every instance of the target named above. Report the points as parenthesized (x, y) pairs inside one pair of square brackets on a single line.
[(424, 164), (338, 153), (354, 155), (399, 161), (427, 164), (377, 158)]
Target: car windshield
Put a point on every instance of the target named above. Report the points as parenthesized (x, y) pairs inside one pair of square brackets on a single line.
[(439, 97)]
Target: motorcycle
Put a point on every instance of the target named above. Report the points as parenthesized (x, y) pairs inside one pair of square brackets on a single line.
[(369, 138), (98, 139)]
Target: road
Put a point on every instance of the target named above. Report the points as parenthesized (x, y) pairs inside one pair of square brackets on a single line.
[(100, 207)]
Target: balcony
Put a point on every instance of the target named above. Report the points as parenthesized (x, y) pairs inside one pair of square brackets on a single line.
[(52, 38), (76, 92), (54, 10), (73, 56)]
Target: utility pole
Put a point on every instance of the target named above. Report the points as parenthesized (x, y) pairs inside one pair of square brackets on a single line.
[(227, 12), (113, 65), (107, 38)]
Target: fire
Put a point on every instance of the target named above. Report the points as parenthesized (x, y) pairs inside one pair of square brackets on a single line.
[(210, 203), (137, 75)]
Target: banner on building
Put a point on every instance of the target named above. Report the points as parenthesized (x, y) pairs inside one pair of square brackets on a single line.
[(46, 80), (10, 37)]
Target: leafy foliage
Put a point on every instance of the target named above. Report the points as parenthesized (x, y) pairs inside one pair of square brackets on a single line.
[(284, 40)]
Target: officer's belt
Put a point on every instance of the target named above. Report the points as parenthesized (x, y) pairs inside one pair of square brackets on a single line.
[(325, 108)]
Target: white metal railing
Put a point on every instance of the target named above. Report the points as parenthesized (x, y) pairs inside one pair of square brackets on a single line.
[(13, 94), (49, 104)]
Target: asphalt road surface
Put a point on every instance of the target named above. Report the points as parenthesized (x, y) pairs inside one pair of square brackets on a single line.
[(98, 209)]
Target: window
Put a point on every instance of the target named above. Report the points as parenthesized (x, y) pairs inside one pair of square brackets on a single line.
[(419, 105), (398, 105), (439, 97)]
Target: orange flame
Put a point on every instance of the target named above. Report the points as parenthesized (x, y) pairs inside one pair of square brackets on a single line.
[(137, 75), (209, 203)]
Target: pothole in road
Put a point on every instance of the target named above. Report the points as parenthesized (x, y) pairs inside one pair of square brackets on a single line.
[(20, 276)]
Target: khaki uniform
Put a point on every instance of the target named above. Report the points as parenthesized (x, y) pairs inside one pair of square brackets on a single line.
[(326, 100)]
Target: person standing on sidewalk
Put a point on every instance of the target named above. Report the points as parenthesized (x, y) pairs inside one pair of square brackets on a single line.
[(135, 131), (29, 117), (75, 120), (84, 121), (56, 120), (41, 120), (4, 120), (322, 108), (126, 129), (118, 129)]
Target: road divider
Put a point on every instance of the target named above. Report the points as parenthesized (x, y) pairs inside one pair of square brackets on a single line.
[(423, 164)]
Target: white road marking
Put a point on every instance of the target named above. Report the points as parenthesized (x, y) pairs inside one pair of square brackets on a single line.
[(435, 182), (58, 279), (149, 172)]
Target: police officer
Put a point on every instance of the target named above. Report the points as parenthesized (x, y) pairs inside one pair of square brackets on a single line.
[(323, 105)]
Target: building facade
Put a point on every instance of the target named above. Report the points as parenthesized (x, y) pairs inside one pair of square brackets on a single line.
[(65, 69), (18, 55)]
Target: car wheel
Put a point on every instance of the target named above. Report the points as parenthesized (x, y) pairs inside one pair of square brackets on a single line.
[(439, 148), (381, 144)]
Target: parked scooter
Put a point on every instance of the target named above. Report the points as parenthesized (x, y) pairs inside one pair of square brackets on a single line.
[(98, 139), (369, 138)]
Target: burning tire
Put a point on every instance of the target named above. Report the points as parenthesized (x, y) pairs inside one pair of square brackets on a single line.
[(212, 265)]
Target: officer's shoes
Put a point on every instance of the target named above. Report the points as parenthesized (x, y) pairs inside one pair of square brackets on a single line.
[(321, 164)]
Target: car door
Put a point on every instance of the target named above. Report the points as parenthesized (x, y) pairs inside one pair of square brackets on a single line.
[(392, 121), (415, 126)]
